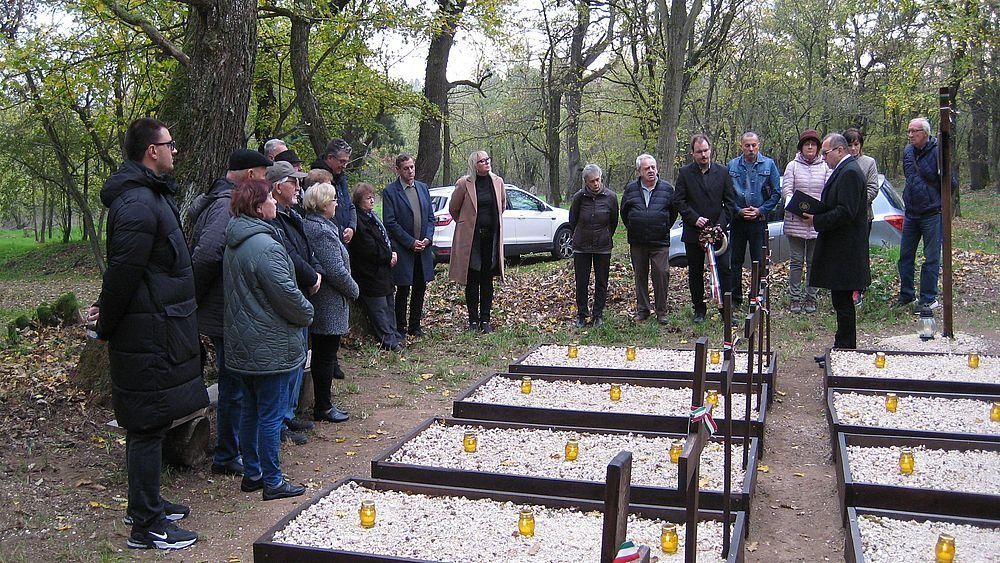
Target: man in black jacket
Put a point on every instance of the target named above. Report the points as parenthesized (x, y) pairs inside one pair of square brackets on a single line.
[(284, 181), (210, 214), (146, 313), (648, 210), (334, 160), (705, 198)]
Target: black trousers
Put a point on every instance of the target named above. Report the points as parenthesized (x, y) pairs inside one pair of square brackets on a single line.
[(696, 274), (741, 234), (323, 366), (403, 295), (143, 459), (847, 332), (582, 263), (479, 296)]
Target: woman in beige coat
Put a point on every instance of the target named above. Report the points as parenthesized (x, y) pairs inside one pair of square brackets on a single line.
[(477, 206)]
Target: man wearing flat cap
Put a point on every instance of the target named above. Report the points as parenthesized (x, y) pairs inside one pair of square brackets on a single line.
[(209, 213), (284, 181), (290, 157)]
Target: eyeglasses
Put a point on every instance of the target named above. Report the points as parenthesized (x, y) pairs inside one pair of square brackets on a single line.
[(171, 143), (914, 130), (484, 160), (828, 151)]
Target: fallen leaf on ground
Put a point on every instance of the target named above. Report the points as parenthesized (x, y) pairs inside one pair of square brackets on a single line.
[(763, 468)]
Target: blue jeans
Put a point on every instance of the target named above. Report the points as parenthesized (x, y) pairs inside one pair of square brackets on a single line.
[(295, 382), (227, 412), (743, 233), (265, 398), (914, 229)]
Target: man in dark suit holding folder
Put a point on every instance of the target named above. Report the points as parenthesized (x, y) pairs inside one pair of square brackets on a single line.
[(840, 261)]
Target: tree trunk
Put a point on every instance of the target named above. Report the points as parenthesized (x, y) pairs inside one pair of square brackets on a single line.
[(552, 145), (436, 87), (574, 165), (208, 100), (979, 139), (677, 26), (312, 118), (447, 174)]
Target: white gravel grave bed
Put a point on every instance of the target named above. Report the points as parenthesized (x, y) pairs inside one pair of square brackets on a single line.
[(888, 540), (459, 529), (916, 413), (594, 397), (953, 367), (972, 471), (613, 357), (540, 452)]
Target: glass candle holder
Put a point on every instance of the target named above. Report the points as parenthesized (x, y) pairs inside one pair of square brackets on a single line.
[(367, 514), (973, 360), (469, 442), (944, 551), (630, 353), (675, 451), (616, 392), (712, 397), (879, 360), (668, 538), (714, 356), (891, 402), (906, 461), (572, 449), (995, 412), (572, 351), (526, 385), (526, 523)]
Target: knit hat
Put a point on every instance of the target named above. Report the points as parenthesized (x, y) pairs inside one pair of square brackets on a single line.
[(244, 159), (809, 135), (281, 170)]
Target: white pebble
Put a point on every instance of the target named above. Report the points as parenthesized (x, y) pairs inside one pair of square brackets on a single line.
[(937, 414), (887, 540), (945, 367), (613, 357), (972, 471)]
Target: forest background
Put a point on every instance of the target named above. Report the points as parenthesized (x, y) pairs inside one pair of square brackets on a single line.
[(551, 86)]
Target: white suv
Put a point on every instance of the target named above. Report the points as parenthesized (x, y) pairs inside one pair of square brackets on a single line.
[(529, 225)]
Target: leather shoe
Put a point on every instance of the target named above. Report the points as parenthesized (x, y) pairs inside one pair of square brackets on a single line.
[(641, 316), (598, 322), (580, 323), (231, 468), (473, 327), (298, 424), (284, 490), (248, 485), (663, 320), (297, 438), (338, 373), (332, 415), (486, 328), (415, 332), (821, 360), (699, 317)]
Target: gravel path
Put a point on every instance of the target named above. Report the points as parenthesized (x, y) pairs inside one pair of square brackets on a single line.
[(459, 529)]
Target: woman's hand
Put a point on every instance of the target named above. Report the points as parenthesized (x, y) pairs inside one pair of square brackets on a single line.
[(392, 262)]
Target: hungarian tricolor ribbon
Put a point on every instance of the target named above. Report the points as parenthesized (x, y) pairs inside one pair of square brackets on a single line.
[(704, 414), (760, 304), (627, 552), (731, 345)]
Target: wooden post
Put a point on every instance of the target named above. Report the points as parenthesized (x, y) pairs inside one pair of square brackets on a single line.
[(688, 469), (944, 144), (700, 368), (616, 497), (728, 364)]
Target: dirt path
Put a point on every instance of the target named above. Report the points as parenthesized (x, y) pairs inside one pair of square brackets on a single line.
[(796, 513)]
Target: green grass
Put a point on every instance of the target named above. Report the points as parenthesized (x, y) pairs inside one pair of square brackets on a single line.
[(979, 226)]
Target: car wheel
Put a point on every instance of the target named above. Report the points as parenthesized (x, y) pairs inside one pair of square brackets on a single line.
[(562, 245)]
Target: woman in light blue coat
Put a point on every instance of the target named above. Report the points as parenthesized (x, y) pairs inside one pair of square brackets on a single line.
[(331, 320)]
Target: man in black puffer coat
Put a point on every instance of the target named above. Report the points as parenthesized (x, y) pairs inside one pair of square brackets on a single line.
[(648, 211), (146, 313)]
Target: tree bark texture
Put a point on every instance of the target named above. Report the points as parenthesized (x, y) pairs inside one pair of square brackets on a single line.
[(208, 99), (312, 119), (436, 87)]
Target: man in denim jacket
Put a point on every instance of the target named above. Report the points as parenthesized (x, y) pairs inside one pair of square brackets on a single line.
[(922, 196), (756, 181)]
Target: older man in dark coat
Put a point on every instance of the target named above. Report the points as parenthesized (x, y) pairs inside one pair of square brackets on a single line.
[(409, 220), (146, 313), (840, 261)]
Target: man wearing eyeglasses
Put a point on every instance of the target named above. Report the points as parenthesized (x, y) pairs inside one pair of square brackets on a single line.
[(284, 181), (335, 161), (840, 260), (146, 313), (210, 214), (922, 196)]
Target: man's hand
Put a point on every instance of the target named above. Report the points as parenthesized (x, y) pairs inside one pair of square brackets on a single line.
[(749, 213), (319, 281), (93, 313), (392, 263), (348, 234), (701, 222), (807, 218)]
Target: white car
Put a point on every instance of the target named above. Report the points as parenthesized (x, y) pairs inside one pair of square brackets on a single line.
[(529, 225)]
